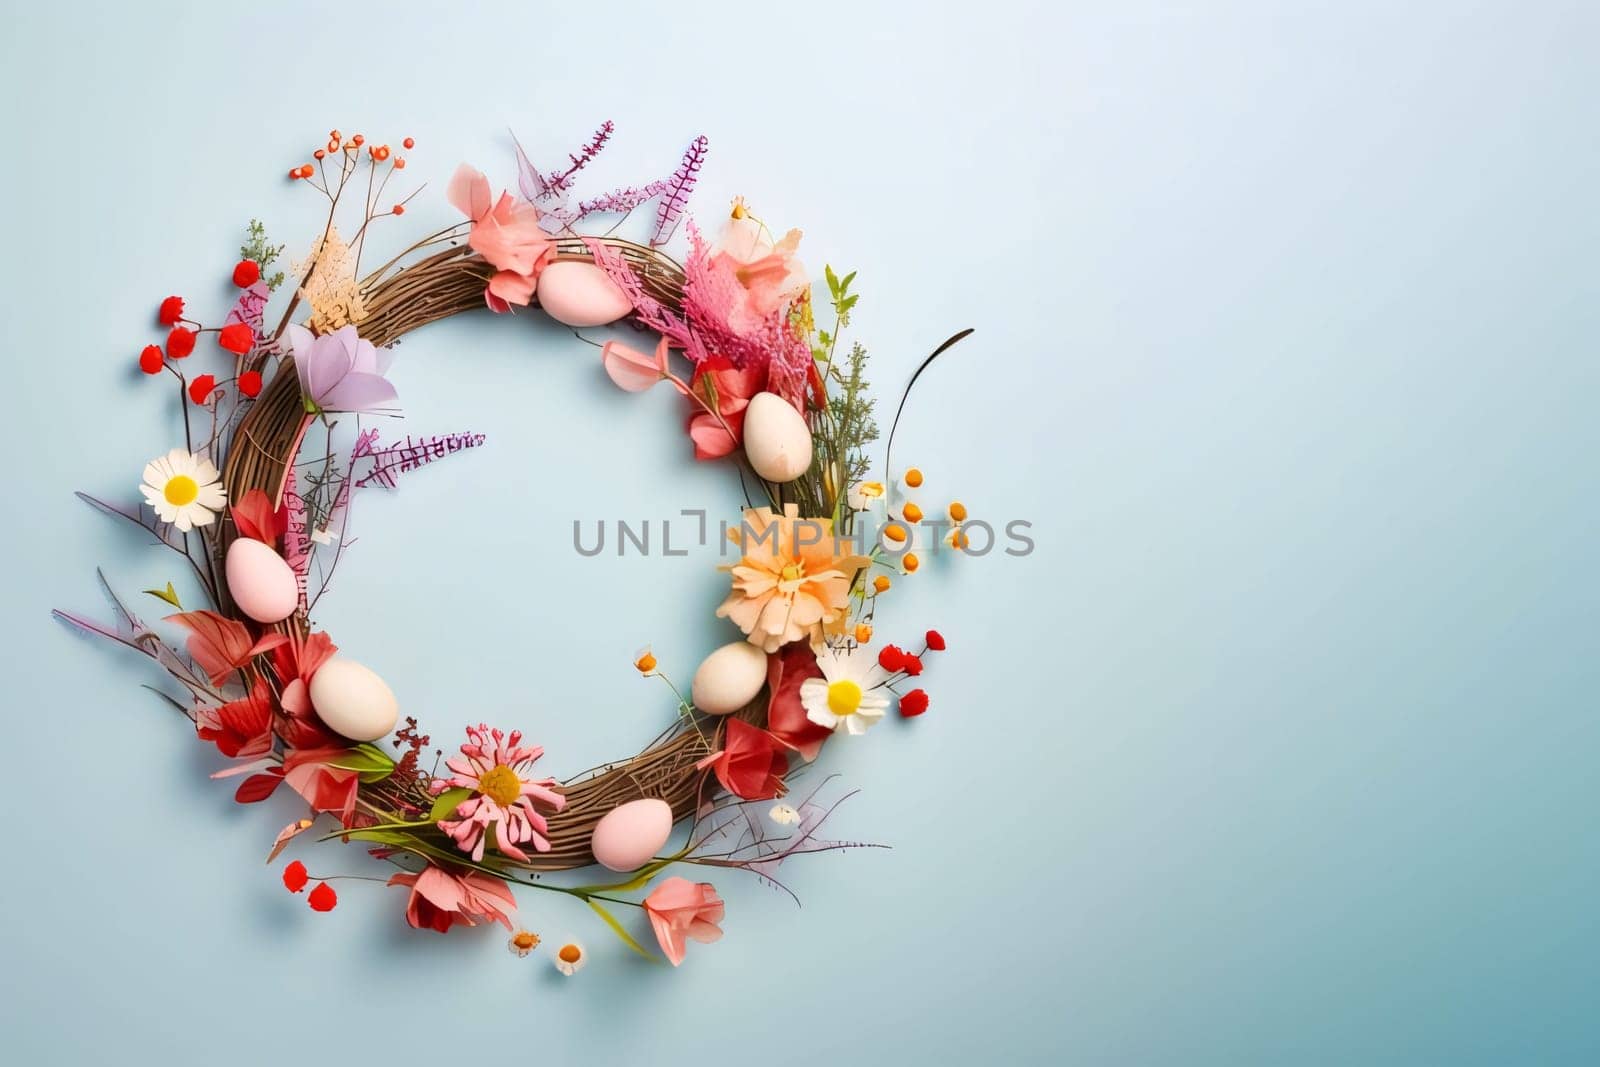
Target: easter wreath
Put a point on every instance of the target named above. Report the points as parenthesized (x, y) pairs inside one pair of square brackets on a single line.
[(257, 499)]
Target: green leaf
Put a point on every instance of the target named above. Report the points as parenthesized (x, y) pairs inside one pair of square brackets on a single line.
[(367, 761), (447, 803), (833, 280), (169, 594), (638, 881), (616, 928), (845, 284)]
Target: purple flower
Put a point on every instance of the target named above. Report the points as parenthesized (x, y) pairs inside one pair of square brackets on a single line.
[(341, 372)]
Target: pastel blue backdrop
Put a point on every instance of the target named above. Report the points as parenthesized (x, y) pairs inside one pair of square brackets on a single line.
[(1279, 749)]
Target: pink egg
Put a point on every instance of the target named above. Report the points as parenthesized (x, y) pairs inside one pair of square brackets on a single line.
[(579, 294), (628, 835), (260, 582)]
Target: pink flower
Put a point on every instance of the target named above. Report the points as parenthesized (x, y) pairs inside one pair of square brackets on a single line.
[(440, 900), (769, 272), (634, 371), (496, 768), (681, 909), (728, 391), (504, 232)]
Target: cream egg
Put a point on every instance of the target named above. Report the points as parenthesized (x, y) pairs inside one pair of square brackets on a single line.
[(729, 678), (776, 439), (353, 701)]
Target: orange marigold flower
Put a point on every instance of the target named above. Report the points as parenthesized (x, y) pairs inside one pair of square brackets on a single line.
[(790, 583)]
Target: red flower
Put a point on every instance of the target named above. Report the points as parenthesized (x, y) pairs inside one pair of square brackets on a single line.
[(935, 640), (914, 703), (440, 900), (171, 311), (180, 342), (787, 670), (751, 764), (250, 383), (247, 273), (151, 359), (237, 338), (912, 665), (892, 658), (240, 727), (200, 388), (294, 877), (322, 898)]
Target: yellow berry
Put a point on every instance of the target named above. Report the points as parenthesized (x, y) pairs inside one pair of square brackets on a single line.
[(911, 562), (958, 511), (912, 513), (880, 584), (863, 633), (913, 477), (895, 532)]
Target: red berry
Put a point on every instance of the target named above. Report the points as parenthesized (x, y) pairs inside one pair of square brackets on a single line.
[(322, 898), (171, 311), (180, 342), (236, 338), (294, 877), (150, 360), (912, 665), (891, 658), (200, 389), (399, 209), (247, 273), (409, 142), (250, 383), (914, 703), (935, 640)]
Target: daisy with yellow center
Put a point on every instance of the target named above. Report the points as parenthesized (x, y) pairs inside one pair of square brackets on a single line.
[(843, 699), (184, 489), (522, 943)]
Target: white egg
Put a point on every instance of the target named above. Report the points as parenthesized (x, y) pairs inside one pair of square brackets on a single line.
[(260, 582), (628, 836), (580, 294), (729, 678), (776, 439), (353, 701)]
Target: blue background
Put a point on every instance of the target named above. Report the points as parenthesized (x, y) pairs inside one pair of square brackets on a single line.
[(1279, 748)]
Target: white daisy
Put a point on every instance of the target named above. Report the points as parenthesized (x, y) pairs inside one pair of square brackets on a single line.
[(783, 815), (863, 495), (570, 958), (184, 489), (842, 699)]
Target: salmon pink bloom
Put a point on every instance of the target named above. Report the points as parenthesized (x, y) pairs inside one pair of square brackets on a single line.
[(634, 371), (769, 272), (497, 769), (727, 391), (504, 232), (680, 909), (441, 900)]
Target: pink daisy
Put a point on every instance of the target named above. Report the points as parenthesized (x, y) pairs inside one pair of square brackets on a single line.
[(497, 769)]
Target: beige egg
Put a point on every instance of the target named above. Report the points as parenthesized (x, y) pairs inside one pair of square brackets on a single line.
[(260, 582), (353, 701), (729, 678), (580, 294), (776, 439), (629, 835)]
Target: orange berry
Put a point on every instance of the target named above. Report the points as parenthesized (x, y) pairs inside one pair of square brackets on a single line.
[(358, 140), (409, 142), (307, 171), (381, 154), (318, 154), (399, 162), (958, 511), (911, 562), (880, 584), (399, 209), (895, 532), (913, 477), (294, 173), (863, 633), (334, 135), (912, 513)]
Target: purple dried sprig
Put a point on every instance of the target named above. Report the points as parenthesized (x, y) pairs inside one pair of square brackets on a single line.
[(679, 186), (391, 460), (557, 183)]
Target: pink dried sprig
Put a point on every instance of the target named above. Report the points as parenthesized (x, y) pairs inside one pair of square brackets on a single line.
[(679, 186)]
